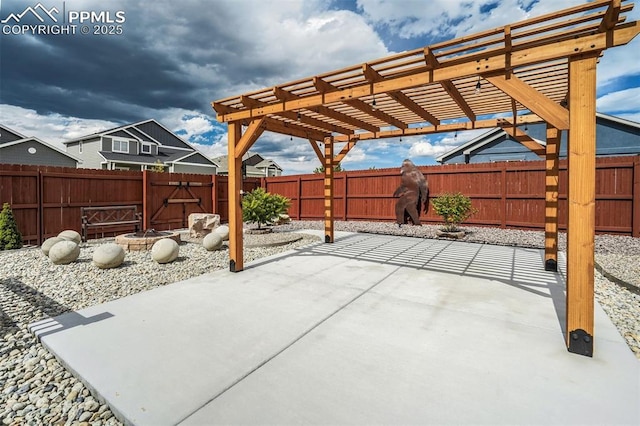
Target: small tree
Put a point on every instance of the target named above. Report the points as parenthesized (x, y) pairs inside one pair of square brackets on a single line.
[(10, 237), (454, 209), (262, 207), (157, 167), (336, 168)]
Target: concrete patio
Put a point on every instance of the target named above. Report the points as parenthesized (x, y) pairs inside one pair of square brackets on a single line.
[(371, 329)]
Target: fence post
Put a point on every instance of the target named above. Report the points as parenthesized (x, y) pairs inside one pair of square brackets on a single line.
[(344, 195), (299, 190), (214, 194), (503, 186), (39, 213), (635, 202), (145, 202)]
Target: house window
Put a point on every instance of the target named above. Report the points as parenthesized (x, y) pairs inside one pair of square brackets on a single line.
[(120, 145), (80, 147), (145, 148)]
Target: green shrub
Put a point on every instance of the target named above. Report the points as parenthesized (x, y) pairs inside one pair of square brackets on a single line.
[(454, 209), (10, 237), (262, 207)]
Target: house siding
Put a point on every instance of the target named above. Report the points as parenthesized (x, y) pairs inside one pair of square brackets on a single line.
[(90, 157), (7, 135), (186, 168), (43, 156)]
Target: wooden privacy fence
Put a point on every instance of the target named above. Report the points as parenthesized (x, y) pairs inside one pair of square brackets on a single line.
[(47, 200), (507, 195)]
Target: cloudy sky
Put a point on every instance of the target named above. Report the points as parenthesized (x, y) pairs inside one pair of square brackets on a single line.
[(173, 58)]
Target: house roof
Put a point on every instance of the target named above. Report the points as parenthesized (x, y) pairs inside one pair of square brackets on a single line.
[(9, 135), (172, 149), (494, 134), (41, 142), (223, 163), (479, 142)]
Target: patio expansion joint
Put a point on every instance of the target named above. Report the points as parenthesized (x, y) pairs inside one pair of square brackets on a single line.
[(290, 344)]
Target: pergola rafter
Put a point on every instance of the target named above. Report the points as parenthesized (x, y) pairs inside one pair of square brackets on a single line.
[(537, 70)]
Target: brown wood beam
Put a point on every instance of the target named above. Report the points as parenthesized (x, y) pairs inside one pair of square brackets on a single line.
[(277, 126), (236, 260), (328, 190), (406, 101), (526, 140), (328, 112), (284, 95), (611, 16), (250, 136), (551, 200), (316, 149), (345, 150), (581, 197), (493, 60), (442, 128), (533, 100), (377, 113), (453, 92), (325, 87)]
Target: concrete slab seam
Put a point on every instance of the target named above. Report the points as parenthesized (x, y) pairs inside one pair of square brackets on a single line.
[(287, 346)]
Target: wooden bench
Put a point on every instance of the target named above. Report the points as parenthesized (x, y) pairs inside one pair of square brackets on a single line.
[(111, 216)]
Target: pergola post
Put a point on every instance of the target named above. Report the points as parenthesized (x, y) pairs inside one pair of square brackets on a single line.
[(236, 261), (551, 200), (328, 190), (581, 196)]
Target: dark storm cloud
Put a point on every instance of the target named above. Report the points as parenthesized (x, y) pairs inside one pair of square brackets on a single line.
[(167, 57)]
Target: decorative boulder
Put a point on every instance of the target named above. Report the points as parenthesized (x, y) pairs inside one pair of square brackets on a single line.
[(201, 224), (64, 252), (223, 231), (107, 256), (165, 250), (70, 235), (212, 241), (50, 242)]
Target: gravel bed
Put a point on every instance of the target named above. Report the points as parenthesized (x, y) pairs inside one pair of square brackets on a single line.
[(36, 389)]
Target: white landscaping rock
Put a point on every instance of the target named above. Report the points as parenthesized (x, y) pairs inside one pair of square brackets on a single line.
[(165, 250), (70, 235), (64, 252), (108, 255), (201, 224), (48, 243), (212, 241), (223, 231)]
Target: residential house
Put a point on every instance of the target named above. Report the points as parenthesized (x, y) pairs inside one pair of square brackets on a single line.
[(614, 136), (140, 146), (19, 149), (253, 164)]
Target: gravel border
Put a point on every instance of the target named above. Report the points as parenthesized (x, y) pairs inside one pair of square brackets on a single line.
[(36, 389)]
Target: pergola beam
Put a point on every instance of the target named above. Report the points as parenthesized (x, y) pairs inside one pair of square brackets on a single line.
[(492, 60), (284, 95), (552, 164), (525, 140), (457, 97), (535, 101), (316, 149), (581, 197), (373, 76), (345, 150), (323, 86)]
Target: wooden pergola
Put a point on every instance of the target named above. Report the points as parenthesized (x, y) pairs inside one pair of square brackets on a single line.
[(539, 70)]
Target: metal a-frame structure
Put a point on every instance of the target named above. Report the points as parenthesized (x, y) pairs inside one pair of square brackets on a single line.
[(538, 70)]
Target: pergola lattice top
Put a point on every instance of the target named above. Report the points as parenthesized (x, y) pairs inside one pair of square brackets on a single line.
[(425, 90), (541, 69)]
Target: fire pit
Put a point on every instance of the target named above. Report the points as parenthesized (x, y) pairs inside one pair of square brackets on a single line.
[(144, 240)]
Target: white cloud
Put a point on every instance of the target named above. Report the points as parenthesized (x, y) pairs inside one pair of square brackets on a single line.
[(52, 128), (621, 101)]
